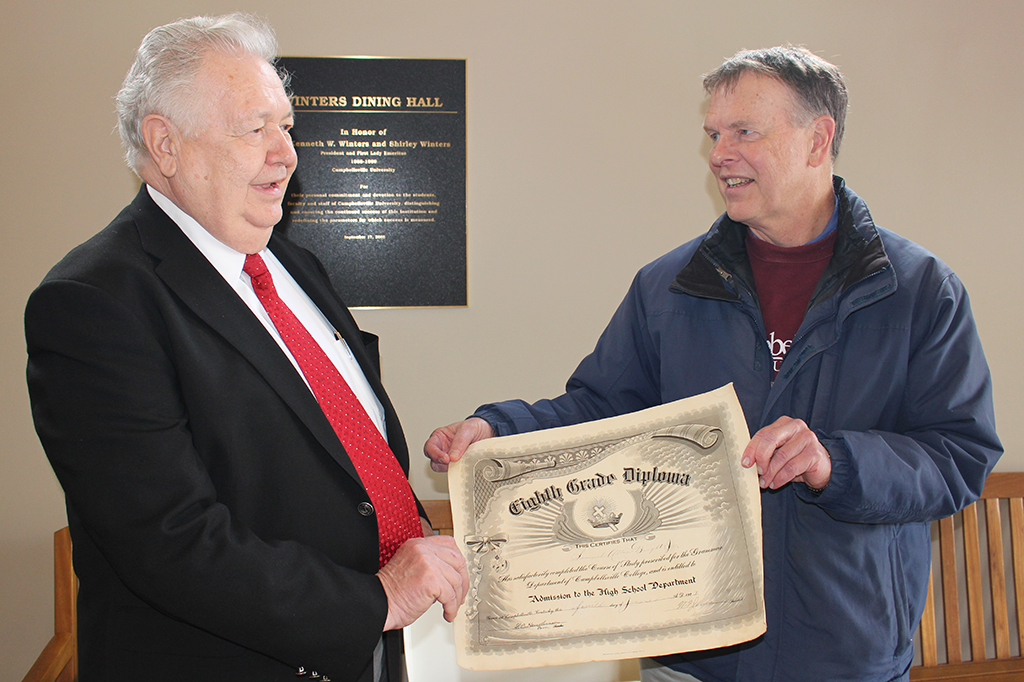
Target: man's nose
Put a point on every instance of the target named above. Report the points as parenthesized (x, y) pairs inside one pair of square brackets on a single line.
[(721, 152), (281, 149)]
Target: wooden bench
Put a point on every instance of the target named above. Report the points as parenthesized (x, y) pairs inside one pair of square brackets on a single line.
[(988, 608)]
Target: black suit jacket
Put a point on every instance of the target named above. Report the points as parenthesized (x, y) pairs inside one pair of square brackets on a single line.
[(220, 530)]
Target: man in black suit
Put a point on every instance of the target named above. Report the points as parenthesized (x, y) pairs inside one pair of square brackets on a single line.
[(224, 527)]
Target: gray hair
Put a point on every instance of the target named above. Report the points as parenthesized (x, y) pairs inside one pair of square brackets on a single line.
[(818, 86), (166, 65)]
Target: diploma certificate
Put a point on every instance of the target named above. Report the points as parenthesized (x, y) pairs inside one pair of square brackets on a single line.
[(638, 535)]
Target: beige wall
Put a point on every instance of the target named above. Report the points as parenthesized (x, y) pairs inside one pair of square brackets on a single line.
[(586, 160)]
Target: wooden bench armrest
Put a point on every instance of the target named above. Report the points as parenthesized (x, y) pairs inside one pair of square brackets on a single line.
[(53, 659)]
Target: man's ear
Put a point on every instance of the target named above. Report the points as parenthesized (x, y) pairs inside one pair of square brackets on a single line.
[(823, 132), (161, 138)]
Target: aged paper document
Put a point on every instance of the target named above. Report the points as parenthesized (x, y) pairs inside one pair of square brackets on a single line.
[(638, 535)]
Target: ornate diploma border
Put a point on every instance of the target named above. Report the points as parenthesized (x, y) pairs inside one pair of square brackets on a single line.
[(638, 535)]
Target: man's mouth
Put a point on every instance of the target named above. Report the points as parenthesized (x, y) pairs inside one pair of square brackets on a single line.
[(737, 182)]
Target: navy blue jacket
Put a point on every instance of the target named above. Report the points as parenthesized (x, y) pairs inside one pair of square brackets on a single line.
[(887, 369)]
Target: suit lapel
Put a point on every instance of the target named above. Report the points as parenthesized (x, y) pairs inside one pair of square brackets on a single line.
[(185, 271)]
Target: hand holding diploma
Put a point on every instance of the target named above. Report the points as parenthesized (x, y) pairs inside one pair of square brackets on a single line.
[(448, 443), (787, 451), (633, 536), (422, 571)]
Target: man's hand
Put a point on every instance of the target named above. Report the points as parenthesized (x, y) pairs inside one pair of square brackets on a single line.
[(788, 451), (448, 443), (422, 571)]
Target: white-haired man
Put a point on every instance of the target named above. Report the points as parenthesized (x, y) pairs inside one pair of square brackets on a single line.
[(235, 474)]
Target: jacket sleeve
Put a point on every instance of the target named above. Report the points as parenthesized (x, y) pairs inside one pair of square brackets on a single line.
[(109, 409), (942, 443), (618, 377)]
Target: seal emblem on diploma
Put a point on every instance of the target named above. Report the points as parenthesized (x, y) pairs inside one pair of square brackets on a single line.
[(638, 535)]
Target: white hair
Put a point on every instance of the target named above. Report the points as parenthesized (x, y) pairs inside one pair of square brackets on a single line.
[(166, 65)]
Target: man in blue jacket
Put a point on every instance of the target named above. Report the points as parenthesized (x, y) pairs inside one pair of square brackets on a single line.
[(855, 357)]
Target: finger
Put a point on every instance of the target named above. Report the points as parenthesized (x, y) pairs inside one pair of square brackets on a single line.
[(437, 445), (460, 588), (467, 433), (761, 448), (448, 599), (464, 437), (766, 441), (451, 609), (779, 470), (446, 573), (457, 571), (452, 591), (800, 454), (420, 573), (779, 456)]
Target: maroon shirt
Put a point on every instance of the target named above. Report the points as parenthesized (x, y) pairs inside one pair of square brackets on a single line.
[(785, 279)]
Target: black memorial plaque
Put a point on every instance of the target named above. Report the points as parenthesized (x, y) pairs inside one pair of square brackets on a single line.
[(379, 194)]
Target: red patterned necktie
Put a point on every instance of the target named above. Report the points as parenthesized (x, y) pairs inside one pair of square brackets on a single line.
[(386, 484)]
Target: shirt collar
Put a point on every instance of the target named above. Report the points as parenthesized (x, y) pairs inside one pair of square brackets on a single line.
[(226, 260), (830, 227), (833, 222)]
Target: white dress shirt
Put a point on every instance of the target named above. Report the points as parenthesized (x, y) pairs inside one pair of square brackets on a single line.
[(228, 262)]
